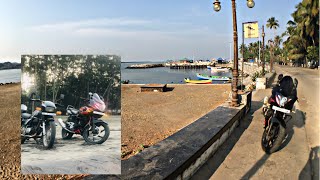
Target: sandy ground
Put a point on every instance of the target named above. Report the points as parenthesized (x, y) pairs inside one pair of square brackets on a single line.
[(149, 117), (74, 156)]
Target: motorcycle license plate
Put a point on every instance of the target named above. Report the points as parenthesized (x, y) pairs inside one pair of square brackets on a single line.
[(281, 109)]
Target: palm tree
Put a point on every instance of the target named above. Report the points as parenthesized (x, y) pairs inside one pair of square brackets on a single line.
[(272, 23), (303, 31)]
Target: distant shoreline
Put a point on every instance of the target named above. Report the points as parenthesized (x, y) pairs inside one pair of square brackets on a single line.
[(10, 65), (9, 68), (143, 62)]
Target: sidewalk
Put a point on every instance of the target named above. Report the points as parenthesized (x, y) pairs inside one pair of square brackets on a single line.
[(242, 157)]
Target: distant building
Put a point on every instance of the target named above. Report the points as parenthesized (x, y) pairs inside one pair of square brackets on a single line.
[(185, 60)]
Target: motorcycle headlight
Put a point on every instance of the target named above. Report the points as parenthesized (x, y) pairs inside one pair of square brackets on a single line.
[(50, 109), (283, 101)]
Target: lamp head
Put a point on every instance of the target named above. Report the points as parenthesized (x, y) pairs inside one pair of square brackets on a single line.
[(216, 6), (250, 3)]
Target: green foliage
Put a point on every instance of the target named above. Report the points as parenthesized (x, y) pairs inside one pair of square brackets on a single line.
[(272, 23), (257, 74), (251, 51), (313, 53), (74, 76), (303, 32)]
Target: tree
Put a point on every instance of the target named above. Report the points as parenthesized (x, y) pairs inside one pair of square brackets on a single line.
[(272, 23), (75, 76), (302, 31)]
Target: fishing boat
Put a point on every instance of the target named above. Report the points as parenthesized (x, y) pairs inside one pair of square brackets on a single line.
[(219, 69), (187, 80), (213, 78)]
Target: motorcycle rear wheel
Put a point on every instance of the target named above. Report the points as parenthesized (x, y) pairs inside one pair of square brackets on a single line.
[(23, 139), (48, 139), (277, 134), (87, 131)]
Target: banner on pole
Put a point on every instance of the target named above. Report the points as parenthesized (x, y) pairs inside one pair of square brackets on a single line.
[(251, 30)]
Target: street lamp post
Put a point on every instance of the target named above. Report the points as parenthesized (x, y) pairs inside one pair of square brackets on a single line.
[(263, 57), (271, 45), (235, 73)]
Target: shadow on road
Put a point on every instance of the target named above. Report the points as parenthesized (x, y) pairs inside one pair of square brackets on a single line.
[(312, 162), (298, 121), (209, 168), (256, 167)]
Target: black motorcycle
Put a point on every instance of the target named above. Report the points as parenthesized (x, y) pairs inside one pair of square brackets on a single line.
[(86, 121), (277, 111), (40, 124)]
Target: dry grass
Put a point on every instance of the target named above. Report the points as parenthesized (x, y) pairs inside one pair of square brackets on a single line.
[(149, 117)]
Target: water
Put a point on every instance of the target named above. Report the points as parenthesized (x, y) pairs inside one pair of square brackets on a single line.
[(164, 75), (10, 75)]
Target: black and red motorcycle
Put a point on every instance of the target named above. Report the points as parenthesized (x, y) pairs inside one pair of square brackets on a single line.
[(86, 121), (276, 110)]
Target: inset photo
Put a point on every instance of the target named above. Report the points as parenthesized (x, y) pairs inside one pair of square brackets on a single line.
[(70, 114)]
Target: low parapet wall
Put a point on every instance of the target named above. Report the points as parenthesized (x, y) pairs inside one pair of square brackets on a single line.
[(180, 155)]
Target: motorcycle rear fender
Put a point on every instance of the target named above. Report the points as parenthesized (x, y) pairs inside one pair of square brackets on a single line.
[(99, 121)]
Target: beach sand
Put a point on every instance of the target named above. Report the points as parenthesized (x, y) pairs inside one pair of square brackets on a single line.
[(149, 117), (10, 136)]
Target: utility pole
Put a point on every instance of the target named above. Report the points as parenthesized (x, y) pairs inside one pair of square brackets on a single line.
[(263, 57)]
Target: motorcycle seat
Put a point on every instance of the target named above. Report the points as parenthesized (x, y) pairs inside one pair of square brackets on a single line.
[(26, 115), (74, 111)]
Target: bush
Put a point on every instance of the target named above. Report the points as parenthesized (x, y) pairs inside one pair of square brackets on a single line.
[(257, 74)]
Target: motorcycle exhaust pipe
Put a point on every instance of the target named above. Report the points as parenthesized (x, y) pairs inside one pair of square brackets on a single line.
[(30, 136), (63, 125)]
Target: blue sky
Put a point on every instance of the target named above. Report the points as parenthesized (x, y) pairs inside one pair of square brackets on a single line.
[(139, 30)]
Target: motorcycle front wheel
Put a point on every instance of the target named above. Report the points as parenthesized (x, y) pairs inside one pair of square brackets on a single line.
[(100, 136), (272, 139), (65, 134), (48, 139)]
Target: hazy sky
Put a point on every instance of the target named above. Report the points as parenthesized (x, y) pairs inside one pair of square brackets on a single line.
[(137, 30)]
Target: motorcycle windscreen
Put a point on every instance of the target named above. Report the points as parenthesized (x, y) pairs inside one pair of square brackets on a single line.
[(96, 103)]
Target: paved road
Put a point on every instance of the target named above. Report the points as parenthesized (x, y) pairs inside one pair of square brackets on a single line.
[(75, 156), (241, 157)]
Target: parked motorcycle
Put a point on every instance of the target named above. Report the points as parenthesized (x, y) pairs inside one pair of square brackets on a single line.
[(39, 124), (86, 122), (277, 111)]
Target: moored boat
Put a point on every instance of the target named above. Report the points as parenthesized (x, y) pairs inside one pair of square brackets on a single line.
[(212, 78), (187, 80), (219, 69)]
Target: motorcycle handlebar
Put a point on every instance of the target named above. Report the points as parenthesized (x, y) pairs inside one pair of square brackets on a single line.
[(35, 100), (69, 106)]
